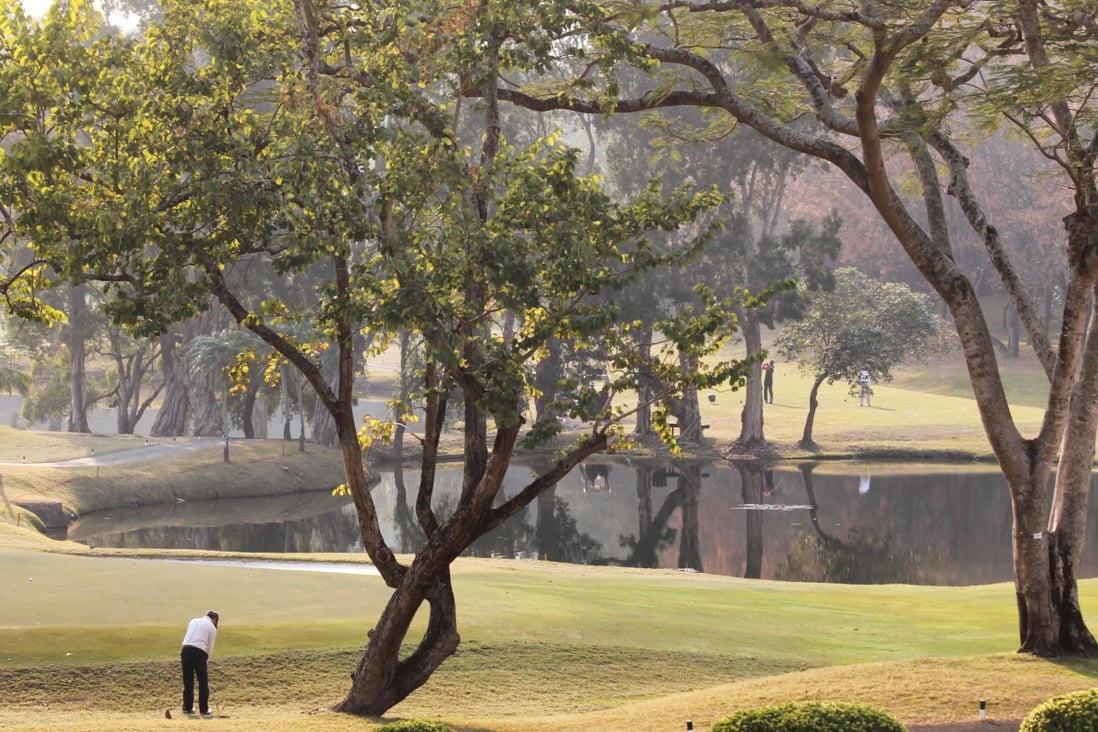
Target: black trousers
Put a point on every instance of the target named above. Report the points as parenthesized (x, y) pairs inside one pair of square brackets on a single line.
[(194, 664)]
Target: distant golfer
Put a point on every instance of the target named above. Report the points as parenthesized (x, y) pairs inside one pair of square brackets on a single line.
[(768, 381), (865, 394), (198, 645)]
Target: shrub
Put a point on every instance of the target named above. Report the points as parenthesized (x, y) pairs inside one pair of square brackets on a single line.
[(810, 717), (414, 725), (1066, 713)]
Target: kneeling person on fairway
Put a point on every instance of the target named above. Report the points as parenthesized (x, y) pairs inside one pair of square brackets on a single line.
[(198, 645)]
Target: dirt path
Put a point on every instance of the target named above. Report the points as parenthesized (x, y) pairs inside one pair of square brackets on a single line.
[(148, 452), (987, 725)]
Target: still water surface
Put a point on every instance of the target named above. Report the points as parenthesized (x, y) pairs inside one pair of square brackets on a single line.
[(858, 523)]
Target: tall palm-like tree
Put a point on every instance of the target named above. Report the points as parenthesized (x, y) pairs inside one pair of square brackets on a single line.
[(209, 360)]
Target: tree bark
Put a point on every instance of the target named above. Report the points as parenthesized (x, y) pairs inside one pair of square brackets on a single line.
[(686, 409), (643, 424), (324, 427), (206, 413), (751, 418), (78, 350), (171, 420), (1067, 522), (807, 443), (381, 679)]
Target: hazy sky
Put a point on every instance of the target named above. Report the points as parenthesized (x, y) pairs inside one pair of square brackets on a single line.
[(37, 7)]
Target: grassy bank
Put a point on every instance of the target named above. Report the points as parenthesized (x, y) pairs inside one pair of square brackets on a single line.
[(154, 473)]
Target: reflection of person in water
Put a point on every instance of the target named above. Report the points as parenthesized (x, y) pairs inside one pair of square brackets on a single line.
[(768, 483), (596, 477)]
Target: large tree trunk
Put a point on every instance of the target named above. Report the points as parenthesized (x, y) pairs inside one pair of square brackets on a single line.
[(643, 425), (248, 414), (207, 414), (1067, 522), (686, 409), (78, 333), (171, 420), (1026, 463), (751, 419), (382, 680), (547, 373)]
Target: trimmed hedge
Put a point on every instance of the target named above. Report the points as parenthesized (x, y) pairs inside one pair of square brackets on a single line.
[(414, 725), (1066, 713), (810, 717)]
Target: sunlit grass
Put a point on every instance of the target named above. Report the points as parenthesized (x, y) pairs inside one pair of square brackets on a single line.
[(545, 646)]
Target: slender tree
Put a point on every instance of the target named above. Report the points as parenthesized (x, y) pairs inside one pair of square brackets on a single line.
[(860, 325)]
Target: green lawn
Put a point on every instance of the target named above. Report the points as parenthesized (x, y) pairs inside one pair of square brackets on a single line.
[(90, 642), (544, 646)]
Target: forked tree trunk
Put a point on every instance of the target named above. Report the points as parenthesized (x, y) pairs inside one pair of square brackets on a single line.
[(381, 679), (1067, 522)]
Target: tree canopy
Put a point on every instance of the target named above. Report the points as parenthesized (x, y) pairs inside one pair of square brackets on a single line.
[(324, 143)]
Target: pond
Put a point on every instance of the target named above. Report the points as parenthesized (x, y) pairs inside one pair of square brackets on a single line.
[(828, 522)]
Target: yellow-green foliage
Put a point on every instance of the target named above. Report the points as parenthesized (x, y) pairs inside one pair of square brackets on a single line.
[(414, 725), (1067, 713)]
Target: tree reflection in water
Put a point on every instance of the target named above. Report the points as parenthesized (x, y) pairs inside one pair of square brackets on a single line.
[(655, 533), (917, 523), (865, 557)]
